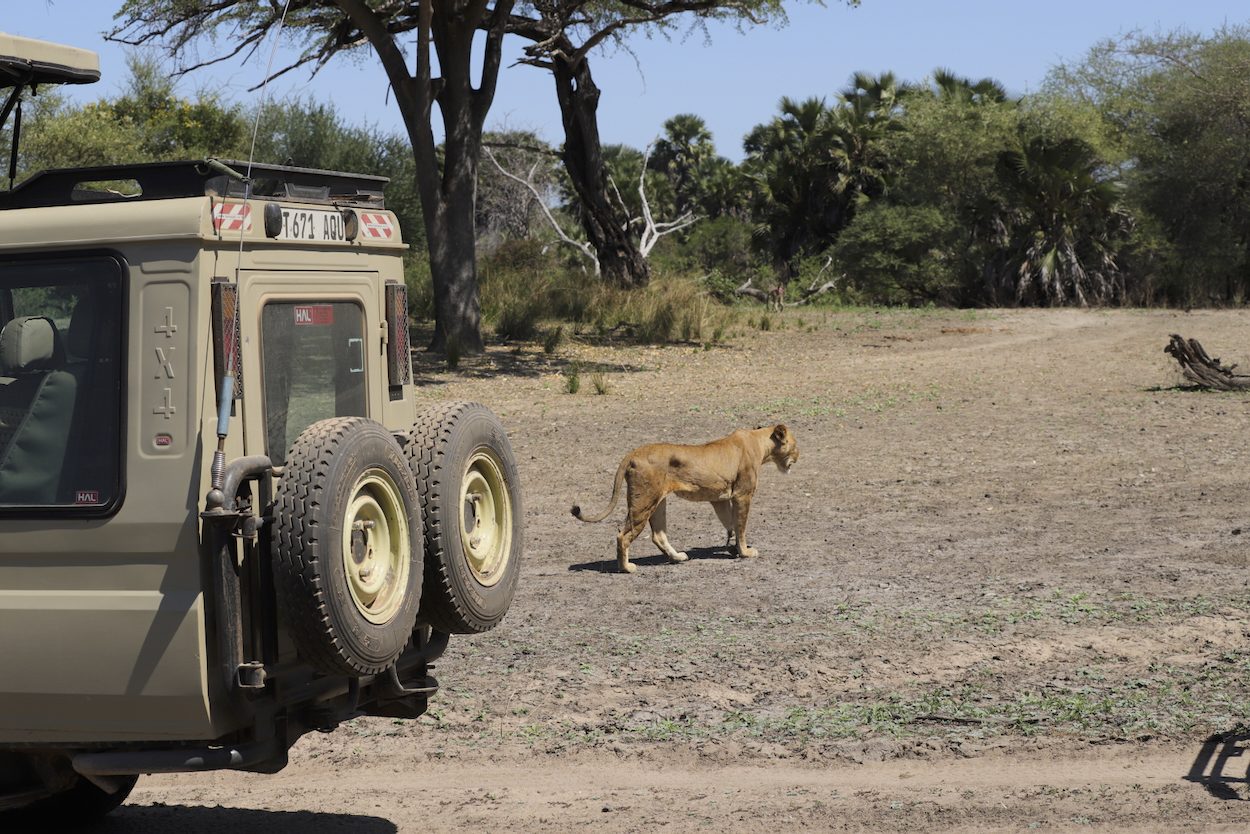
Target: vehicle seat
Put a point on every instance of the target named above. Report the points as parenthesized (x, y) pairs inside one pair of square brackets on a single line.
[(79, 333), (36, 408)]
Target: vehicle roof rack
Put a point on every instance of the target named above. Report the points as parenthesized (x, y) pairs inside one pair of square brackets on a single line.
[(193, 178)]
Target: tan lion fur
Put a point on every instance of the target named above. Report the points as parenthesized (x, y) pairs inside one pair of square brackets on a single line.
[(724, 472)]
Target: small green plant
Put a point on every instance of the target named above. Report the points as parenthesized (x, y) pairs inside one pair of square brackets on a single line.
[(573, 377), (600, 380), (766, 323), (454, 352), (553, 338)]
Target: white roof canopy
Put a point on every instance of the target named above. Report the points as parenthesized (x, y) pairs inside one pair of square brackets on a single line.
[(27, 61)]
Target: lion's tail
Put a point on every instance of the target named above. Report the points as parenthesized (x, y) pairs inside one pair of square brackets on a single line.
[(616, 496)]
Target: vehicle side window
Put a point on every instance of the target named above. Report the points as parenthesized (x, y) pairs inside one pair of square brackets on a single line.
[(313, 367), (60, 378)]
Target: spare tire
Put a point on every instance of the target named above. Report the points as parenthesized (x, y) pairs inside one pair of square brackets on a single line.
[(347, 547), (470, 494)]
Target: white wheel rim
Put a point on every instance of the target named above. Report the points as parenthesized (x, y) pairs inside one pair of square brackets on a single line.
[(376, 547), (485, 518)]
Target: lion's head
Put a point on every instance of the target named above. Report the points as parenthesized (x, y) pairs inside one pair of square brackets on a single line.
[(785, 449)]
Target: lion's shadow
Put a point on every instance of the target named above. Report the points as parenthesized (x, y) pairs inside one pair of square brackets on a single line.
[(695, 554)]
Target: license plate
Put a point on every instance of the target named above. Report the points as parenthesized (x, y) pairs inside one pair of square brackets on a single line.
[(312, 224)]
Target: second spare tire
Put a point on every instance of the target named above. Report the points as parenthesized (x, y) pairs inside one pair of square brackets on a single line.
[(470, 493)]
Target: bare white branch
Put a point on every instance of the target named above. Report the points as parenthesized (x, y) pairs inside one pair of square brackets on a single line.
[(585, 248), (652, 231)]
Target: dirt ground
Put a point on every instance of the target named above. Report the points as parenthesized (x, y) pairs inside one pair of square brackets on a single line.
[(1004, 589)]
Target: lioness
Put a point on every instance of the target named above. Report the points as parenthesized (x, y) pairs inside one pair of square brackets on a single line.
[(724, 472)]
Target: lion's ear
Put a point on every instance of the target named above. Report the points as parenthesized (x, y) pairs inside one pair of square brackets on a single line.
[(756, 427), (779, 432)]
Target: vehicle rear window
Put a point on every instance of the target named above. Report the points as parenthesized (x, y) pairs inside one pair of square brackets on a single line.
[(313, 363), (60, 384)]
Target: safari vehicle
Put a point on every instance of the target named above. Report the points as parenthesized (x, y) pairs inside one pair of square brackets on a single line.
[(222, 522)]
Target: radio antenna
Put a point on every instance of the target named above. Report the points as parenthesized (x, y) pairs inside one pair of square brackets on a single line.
[(251, 154)]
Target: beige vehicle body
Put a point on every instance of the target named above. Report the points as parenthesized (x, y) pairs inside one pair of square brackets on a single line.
[(101, 604), (182, 326)]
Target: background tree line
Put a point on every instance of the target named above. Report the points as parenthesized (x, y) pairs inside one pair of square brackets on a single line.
[(1122, 180)]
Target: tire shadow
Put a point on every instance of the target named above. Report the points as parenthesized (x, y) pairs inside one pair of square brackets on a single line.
[(695, 554), (1213, 759)]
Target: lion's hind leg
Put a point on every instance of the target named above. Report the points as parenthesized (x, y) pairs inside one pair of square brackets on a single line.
[(637, 515), (659, 521), (624, 539)]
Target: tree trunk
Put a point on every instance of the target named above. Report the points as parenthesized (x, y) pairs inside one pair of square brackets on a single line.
[(1202, 369), (448, 193), (621, 262)]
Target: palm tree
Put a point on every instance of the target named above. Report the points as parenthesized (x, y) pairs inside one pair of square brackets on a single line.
[(685, 144), (1063, 234), (718, 188), (956, 88), (869, 109), (814, 166), (796, 204), (877, 97)]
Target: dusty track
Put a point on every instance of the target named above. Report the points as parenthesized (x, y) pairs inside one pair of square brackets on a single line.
[(1005, 588)]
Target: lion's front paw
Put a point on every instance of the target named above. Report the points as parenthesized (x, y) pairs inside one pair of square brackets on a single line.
[(628, 567), (678, 557), (748, 553)]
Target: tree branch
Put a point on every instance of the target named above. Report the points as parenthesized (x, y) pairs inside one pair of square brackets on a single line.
[(585, 248), (652, 231)]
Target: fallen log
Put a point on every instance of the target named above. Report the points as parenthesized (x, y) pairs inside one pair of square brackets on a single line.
[(1201, 369), (747, 289), (806, 296)]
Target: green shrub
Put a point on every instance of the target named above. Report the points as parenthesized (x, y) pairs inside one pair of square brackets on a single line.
[(518, 321), (420, 286), (573, 378), (553, 339), (657, 326)]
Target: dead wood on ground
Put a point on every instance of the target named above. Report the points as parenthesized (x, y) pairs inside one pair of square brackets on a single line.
[(807, 296), (1201, 369)]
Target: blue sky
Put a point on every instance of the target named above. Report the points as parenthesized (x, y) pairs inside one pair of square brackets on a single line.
[(734, 82)]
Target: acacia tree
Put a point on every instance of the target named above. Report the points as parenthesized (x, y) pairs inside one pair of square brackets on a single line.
[(562, 34), (327, 28)]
